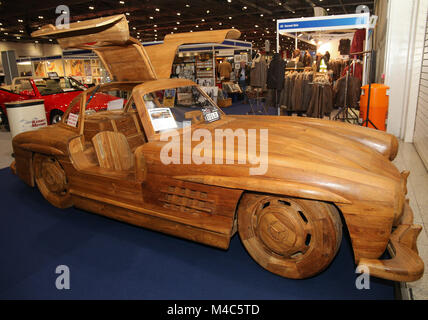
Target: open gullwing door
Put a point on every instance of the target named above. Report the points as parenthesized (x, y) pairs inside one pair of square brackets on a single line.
[(123, 56)]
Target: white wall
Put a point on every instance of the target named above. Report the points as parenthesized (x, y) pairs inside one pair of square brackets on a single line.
[(403, 56), (30, 49)]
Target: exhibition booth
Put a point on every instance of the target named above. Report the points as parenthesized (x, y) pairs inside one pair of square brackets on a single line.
[(215, 168)]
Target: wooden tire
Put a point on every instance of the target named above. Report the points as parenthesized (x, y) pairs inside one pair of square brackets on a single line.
[(52, 181), (293, 238)]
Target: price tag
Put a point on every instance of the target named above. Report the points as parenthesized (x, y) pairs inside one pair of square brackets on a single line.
[(210, 114)]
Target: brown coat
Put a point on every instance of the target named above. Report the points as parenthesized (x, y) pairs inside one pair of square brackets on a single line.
[(352, 94), (225, 69)]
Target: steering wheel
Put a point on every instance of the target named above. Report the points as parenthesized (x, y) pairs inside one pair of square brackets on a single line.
[(197, 116)]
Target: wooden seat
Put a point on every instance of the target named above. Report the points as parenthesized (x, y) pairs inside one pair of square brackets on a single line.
[(113, 151)]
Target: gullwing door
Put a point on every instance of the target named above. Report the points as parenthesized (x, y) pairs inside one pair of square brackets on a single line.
[(126, 58), (123, 56)]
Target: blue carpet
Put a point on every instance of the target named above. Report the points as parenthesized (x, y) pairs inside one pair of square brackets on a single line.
[(243, 108), (113, 260)]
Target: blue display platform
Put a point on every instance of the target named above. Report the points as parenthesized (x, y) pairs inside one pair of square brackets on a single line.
[(112, 260)]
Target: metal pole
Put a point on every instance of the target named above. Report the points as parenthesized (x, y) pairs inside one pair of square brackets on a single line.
[(366, 48), (296, 42)]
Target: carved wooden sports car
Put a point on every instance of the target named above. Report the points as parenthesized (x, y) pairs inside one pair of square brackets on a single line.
[(289, 215)]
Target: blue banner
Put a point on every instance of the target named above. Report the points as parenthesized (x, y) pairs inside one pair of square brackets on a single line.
[(322, 23)]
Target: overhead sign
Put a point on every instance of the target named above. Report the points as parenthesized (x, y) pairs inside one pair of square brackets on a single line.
[(348, 21)]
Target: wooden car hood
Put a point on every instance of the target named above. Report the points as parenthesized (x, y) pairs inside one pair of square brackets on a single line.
[(308, 159), (123, 56)]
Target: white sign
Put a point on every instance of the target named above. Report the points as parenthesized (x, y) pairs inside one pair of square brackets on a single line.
[(115, 104), (162, 119), (72, 119), (226, 53)]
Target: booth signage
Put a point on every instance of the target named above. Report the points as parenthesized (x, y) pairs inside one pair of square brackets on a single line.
[(350, 21)]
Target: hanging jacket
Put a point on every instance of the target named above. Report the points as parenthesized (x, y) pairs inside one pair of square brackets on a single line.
[(276, 72), (258, 74)]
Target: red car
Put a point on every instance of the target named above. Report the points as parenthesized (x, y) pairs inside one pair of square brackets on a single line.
[(56, 92)]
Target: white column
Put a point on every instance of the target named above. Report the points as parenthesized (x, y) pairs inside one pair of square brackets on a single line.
[(403, 56)]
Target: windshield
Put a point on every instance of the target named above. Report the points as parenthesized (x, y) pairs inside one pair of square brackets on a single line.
[(180, 107), (98, 101), (53, 86)]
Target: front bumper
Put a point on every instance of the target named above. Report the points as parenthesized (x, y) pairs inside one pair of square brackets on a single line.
[(405, 264)]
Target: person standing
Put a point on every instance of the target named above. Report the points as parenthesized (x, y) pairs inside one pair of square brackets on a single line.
[(244, 78), (307, 59), (225, 68)]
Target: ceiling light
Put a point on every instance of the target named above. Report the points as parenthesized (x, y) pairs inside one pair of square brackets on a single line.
[(187, 5), (155, 26), (244, 8), (230, 18), (91, 8), (197, 26), (328, 9), (208, 11), (40, 17), (122, 2), (20, 20), (157, 9), (175, 28), (261, 15), (203, 20), (178, 14), (151, 18)]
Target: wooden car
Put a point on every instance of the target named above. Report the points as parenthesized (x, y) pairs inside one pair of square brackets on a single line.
[(289, 217)]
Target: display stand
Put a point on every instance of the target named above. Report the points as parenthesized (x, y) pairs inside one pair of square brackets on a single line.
[(371, 77), (324, 24), (345, 112), (256, 102)]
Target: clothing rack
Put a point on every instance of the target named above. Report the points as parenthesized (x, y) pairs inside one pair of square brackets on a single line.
[(345, 113)]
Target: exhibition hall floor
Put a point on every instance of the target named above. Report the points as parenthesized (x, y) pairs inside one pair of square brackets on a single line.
[(112, 260)]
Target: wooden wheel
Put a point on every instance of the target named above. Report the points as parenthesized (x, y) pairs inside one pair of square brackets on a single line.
[(293, 238), (52, 181)]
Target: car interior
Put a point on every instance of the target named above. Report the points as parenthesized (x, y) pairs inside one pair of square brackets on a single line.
[(109, 141)]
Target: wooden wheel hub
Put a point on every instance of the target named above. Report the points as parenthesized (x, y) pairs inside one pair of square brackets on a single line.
[(294, 238), (52, 181), (280, 228), (53, 175)]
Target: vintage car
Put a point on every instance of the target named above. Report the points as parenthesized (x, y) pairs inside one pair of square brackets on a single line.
[(57, 93), (289, 216)]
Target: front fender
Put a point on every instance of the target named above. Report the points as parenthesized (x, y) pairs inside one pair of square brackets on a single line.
[(267, 185)]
